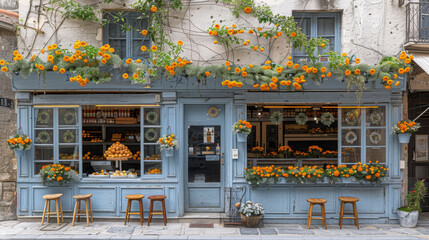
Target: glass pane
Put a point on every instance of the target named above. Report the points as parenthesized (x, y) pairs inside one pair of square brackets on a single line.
[(376, 137), (114, 28), (44, 137), (329, 47), (72, 164), (152, 152), (204, 154), (153, 168), (151, 135), (44, 118), (375, 117), (152, 116), (325, 26), (39, 165), (137, 52), (350, 155), (68, 136), (67, 116), (351, 137), (374, 154), (304, 24), (69, 152), (43, 153), (119, 46), (351, 117), (139, 25)]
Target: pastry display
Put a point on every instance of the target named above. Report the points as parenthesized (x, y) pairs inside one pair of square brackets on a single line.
[(90, 156), (153, 157), (65, 156), (136, 156), (119, 174), (118, 151)]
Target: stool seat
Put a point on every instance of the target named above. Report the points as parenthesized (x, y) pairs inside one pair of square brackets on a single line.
[(52, 196), (81, 197), (157, 197), (134, 196), (316, 200), (349, 199)]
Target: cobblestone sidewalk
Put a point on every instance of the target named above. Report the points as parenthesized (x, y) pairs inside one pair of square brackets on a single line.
[(116, 230)]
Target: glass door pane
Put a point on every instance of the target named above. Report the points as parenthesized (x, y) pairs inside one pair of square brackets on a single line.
[(204, 154)]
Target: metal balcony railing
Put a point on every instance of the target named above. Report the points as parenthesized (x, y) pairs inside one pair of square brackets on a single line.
[(417, 22)]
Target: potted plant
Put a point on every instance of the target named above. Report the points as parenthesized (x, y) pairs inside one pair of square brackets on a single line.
[(257, 150), (251, 213), (285, 151), (168, 143), (19, 143), (404, 129), (242, 128), (57, 174), (409, 214)]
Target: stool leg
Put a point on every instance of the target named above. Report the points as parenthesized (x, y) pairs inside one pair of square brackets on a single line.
[(129, 210), (74, 212), (90, 209), (61, 210), (49, 210), (356, 215), (126, 212), (44, 211), (57, 210), (310, 212), (78, 211), (150, 213), (87, 212), (322, 208), (164, 213), (341, 214), (141, 212)]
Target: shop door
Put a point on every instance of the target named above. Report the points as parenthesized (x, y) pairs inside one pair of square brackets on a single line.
[(204, 159)]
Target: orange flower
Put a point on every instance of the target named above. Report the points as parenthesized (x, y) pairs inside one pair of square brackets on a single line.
[(41, 67), (293, 34), (125, 75), (357, 60), (62, 70), (180, 43), (372, 71), (153, 9), (4, 69), (55, 68), (237, 70), (244, 74), (274, 79), (357, 71), (144, 32), (128, 61), (154, 48), (401, 71), (217, 26), (143, 48), (207, 74), (347, 72), (227, 63), (247, 10)]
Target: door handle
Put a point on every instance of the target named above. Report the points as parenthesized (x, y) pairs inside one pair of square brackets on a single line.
[(222, 159)]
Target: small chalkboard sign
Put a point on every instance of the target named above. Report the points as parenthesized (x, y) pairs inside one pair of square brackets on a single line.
[(6, 102)]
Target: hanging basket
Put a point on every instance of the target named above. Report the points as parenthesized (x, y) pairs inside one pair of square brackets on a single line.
[(18, 152), (250, 222), (169, 152), (404, 137), (241, 137)]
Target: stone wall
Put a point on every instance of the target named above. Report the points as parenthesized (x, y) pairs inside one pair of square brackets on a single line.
[(7, 128)]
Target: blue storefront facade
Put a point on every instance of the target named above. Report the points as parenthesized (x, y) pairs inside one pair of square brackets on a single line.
[(183, 109)]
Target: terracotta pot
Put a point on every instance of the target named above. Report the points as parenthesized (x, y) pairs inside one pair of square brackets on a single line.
[(250, 222)]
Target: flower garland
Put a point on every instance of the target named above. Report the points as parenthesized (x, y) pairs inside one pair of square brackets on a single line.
[(372, 172)]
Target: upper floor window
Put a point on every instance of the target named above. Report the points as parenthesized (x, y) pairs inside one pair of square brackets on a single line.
[(122, 31), (315, 25)]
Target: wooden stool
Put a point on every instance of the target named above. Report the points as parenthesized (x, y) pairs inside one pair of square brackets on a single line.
[(320, 202), (78, 212), (153, 199), (57, 198), (128, 213), (353, 201)]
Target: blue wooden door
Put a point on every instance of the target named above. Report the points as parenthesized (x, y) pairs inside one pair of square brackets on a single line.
[(204, 158)]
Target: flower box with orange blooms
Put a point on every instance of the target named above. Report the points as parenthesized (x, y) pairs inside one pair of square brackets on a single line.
[(242, 126), (315, 151), (372, 172), (57, 173), (168, 142), (19, 142), (405, 126), (257, 150), (286, 151)]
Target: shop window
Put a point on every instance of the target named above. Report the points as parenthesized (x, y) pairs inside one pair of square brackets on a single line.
[(318, 25), (56, 137), (363, 134), (122, 32)]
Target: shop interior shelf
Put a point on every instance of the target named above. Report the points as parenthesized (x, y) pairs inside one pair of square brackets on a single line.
[(306, 135), (267, 119), (110, 143), (253, 162), (109, 125)]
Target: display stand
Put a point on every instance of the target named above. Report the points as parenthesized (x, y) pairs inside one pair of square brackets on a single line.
[(118, 161)]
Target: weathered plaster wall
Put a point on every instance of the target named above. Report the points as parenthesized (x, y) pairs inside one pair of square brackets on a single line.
[(369, 29), (7, 128)]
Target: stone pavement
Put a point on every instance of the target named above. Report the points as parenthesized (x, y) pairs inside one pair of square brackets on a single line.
[(116, 230)]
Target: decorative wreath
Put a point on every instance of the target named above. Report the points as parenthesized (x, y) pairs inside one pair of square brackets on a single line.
[(152, 117), (375, 137), (70, 117), (351, 137), (327, 119), (213, 111), (43, 117), (375, 118), (351, 118), (301, 118), (277, 117), (44, 137), (151, 135), (69, 136)]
